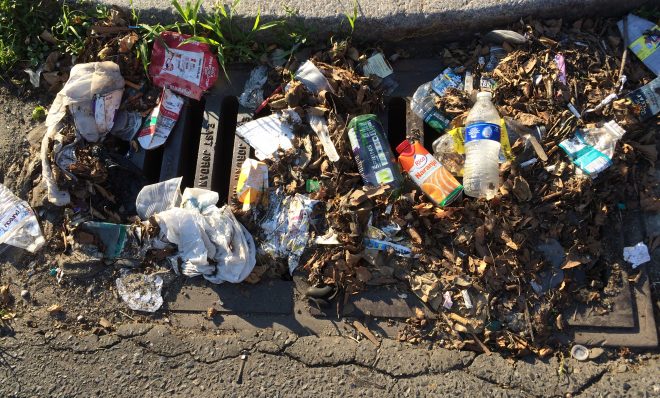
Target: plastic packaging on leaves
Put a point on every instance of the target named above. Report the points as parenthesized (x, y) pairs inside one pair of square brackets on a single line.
[(286, 227), (93, 95), (154, 198), (252, 182), (204, 232), (188, 69), (18, 223), (647, 99), (320, 127), (637, 255), (643, 38), (444, 81), (561, 67), (384, 245), (162, 120), (445, 151), (269, 134), (423, 105), (309, 75), (141, 292), (593, 149), (253, 91)]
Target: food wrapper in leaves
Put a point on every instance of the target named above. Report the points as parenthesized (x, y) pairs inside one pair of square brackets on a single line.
[(286, 227), (252, 182), (188, 68)]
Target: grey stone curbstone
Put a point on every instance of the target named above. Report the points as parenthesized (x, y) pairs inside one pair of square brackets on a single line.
[(493, 369), (129, 330), (399, 360), (314, 351), (160, 340), (397, 20), (443, 360)]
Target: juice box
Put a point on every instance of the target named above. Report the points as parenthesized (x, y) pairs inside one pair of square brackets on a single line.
[(428, 173)]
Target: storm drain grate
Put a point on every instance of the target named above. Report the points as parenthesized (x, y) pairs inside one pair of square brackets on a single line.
[(205, 151)]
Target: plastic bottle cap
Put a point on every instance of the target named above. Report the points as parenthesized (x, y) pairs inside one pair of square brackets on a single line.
[(580, 352), (484, 94), (404, 148)]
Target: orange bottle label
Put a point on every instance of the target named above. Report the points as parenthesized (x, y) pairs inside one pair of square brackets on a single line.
[(429, 174)]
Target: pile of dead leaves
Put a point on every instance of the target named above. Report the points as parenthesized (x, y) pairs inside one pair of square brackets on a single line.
[(481, 265)]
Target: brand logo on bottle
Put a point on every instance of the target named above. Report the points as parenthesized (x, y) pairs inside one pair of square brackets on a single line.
[(420, 160), (487, 132), (474, 132)]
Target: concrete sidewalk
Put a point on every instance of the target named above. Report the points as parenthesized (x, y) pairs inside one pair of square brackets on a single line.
[(395, 20)]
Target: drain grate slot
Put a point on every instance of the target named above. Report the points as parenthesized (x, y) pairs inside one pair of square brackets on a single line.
[(396, 121)]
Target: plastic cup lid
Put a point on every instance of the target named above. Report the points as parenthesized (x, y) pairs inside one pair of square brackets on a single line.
[(580, 352)]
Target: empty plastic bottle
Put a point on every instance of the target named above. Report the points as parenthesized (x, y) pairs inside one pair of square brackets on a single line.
[(423, 105), (482, 147)]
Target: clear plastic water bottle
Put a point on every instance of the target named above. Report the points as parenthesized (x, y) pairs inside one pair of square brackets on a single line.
[(481, 175), (423, 105)]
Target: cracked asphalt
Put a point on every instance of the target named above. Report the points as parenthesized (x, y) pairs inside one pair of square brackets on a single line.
[(156, 361)]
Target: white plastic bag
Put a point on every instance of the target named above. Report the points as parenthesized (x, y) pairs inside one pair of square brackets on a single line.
[(18, 224), (93, 94), (233, 247), (158, 197), (202, 231)]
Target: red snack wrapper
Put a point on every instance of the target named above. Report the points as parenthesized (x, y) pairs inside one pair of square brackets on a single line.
[(188, 69)]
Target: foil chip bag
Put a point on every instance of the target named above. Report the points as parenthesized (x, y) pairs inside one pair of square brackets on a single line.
[(187, 68)]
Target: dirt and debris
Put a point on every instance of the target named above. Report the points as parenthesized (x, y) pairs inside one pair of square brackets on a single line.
[(479, 265)]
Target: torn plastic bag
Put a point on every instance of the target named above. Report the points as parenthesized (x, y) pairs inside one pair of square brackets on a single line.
[(312, 78), (186, 68), (185, 229), (18, 223), (235, 253), (93, 95), (56, 196), (253, 91), (158, 197), (140, 292), (202, 231), (269, 134), (286, 227)]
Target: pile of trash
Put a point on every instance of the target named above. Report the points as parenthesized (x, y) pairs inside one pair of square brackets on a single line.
[(497, 225), (544, 174)]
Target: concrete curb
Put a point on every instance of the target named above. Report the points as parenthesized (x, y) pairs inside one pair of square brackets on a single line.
[(381, 20)]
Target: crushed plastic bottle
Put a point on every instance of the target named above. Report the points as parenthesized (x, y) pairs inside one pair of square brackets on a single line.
[(482, 148), (423, 105)]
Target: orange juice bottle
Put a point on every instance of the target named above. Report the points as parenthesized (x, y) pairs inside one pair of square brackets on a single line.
[(428, 173)]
